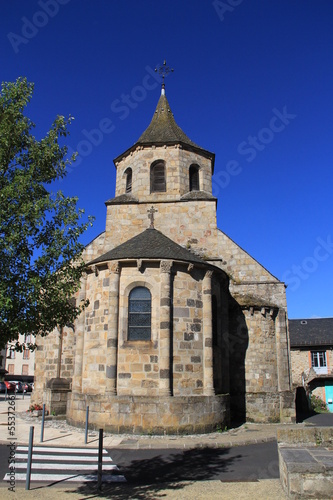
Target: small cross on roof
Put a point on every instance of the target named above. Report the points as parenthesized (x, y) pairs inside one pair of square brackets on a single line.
[(163, 70), (151, 213)]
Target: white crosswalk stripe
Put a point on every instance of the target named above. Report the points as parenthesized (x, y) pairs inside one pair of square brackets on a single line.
[(64, 464)]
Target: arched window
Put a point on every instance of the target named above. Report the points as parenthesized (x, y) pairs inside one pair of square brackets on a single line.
[(157, 177), (194, 178), (139, 314), (128, 173)]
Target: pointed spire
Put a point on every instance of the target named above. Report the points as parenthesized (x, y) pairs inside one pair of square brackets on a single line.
[(163, 128)]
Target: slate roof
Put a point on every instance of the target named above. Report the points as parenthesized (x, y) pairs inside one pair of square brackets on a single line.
[(150, 244), (126, 198), (163, 129), (198, 195), (311, 332)]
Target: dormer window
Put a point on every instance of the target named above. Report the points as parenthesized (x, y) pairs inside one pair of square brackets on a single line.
[(157, 177), (128, 173), (194, 178)]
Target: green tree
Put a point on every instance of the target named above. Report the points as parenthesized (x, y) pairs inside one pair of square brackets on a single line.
[(40, 251)]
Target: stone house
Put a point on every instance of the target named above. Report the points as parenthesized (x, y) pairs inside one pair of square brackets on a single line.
[(20, 365), (184, 331), (311, 347)]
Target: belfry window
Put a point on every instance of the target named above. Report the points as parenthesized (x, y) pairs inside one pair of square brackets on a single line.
[(194, 178), (157, 177), (128, 173), (139, 314)]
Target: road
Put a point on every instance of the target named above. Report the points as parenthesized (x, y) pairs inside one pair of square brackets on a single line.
[(246, 463), (148, 467)]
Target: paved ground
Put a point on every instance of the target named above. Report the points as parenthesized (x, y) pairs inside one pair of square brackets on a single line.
[(201, 490), (58, 433)]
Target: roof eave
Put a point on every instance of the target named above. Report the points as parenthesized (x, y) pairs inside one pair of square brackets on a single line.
[(102, 263), (188, 147)]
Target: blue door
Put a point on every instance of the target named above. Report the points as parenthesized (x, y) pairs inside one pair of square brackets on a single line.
[(329, 396)]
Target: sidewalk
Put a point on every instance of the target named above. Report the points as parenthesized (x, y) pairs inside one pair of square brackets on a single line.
[(58, 433), (61, 434)]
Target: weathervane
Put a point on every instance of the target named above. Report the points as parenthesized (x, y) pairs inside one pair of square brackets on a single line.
[(163, 70), (151, 213)]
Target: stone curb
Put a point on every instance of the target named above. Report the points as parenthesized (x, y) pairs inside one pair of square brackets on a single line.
[(191, 445)]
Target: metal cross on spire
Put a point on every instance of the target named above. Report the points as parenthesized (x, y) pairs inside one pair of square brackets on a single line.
[(163, 70), (151, 213)]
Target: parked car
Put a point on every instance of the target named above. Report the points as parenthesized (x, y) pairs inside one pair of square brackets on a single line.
[(11, 387), (27, 387), (2, 387), (19, 385)]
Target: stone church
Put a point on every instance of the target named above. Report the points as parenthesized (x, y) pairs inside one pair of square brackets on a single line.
[(185, 331)]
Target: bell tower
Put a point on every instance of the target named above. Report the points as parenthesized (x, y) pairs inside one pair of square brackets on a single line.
[(164, 168)]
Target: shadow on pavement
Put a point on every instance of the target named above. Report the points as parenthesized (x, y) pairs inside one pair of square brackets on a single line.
[(147, 478)]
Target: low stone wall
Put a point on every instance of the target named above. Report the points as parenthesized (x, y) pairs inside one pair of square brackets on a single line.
[(306, 461), (305, 436), (146, 415), (266, 407)]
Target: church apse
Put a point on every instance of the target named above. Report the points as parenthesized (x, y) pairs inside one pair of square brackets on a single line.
[(184, 330)]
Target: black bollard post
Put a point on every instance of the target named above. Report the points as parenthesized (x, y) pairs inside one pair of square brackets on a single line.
[(42, 427), (86, 432), (31, 443), (100, 459)]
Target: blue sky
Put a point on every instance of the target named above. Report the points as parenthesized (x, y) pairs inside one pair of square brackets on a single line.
[(252, 82)]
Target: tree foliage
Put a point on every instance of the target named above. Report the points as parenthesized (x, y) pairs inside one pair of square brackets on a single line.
[(40, 251)]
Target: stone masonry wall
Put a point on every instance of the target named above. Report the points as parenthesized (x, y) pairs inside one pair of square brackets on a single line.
[(191, 224), (95, 335), (46, 360), (300, 362), (177, 164), (144, 414), (94, 249), (261, 362), (238, 264), (187, 333), (138, 361)]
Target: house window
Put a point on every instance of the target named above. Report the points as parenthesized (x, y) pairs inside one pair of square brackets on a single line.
[(11, 369), (25, 369), (194, 178), (128, 173), (26, 354), (27, 338), (11, 353), (157, 177), (318, 361), (139, 314)]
